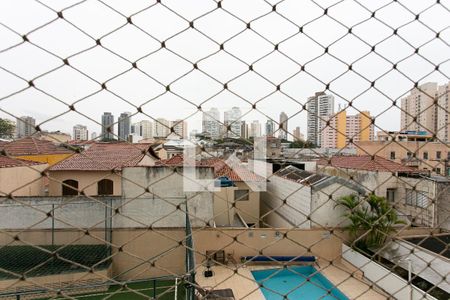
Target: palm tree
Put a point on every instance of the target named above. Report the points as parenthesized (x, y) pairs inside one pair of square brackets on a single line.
[(372, 220)]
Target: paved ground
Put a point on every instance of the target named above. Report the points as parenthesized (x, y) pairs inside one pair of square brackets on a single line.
[(244, 286)]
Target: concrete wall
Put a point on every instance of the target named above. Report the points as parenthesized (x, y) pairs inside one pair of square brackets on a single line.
[(163, 205), (297, 204), (22, 181), (68, 212), (87, 181), (249, 209), (305, 207), (167, 255), (443, 206)]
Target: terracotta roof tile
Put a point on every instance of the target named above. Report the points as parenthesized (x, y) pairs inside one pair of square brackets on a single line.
[(237, 172), (33, 146), (106, 156), (8, 162), (365, 162)]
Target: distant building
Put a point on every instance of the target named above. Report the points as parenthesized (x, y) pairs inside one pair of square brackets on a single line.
[(107, 126), (245, 134), (255, 129), (283, 125), (211, 123), (25, 126), (319, 107), (270, 128), (143, 129), (124, 126), (298, 136), (232, 121), (80, 133), (443, 122), (180, 128), (343, 131), (93, 135), (161, 128)]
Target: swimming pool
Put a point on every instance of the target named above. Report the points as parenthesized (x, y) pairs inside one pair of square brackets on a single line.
[(293, 282)]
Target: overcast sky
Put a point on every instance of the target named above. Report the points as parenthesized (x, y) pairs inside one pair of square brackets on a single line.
[(51, 40)]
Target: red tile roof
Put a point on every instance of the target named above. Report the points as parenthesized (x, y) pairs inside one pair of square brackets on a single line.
[(8, 162), (106, 157), (365, 162), (236, 172), (33, 146)]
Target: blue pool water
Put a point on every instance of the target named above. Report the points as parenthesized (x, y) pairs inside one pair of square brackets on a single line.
[(293, 283)]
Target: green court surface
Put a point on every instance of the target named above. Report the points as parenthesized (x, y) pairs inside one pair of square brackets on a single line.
[(165, 290)]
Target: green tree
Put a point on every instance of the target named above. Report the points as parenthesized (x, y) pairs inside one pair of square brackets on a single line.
[(7, 128), (372, 220)]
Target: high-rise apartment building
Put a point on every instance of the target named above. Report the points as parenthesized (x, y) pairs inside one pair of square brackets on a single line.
[(419, 112), (270, 128), (419, 105), (161, 128), (245, 134), (232, 121), (442, 113), (107, 126), (343, 131), (320, 107), (143, 129), (283, 125), (180, 128), (298, 136), (25, 126), (211, 123), (255, 129), (80, 133), (124, 126)]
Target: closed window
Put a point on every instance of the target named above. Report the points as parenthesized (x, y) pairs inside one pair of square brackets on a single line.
[(105, 187), (416, 198), (392, 154), (425, 155), (438, 170), (70, 187), (438, 154), (241, 195), (390, 195)]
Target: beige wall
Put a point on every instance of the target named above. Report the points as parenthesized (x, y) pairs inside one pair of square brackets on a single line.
[(87, 181), (22, 181), (224, 212), (169, 255)]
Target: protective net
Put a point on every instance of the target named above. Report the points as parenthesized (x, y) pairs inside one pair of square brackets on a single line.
[(326, 178)]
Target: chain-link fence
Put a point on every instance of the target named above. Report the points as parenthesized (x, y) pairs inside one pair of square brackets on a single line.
[(326, 178)]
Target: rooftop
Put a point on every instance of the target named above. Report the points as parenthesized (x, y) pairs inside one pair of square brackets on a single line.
[(300, 176), (106, 156), (235, 172), (32, 146), (365, 162), (8, 162)]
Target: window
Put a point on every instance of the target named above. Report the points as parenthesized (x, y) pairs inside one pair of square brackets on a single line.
[(416, 198), (438, 170), (409, 154), (105, 187), (438, 154), (70, 187), (241, 195), (390, 195), (392, 154), (425, 155)]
